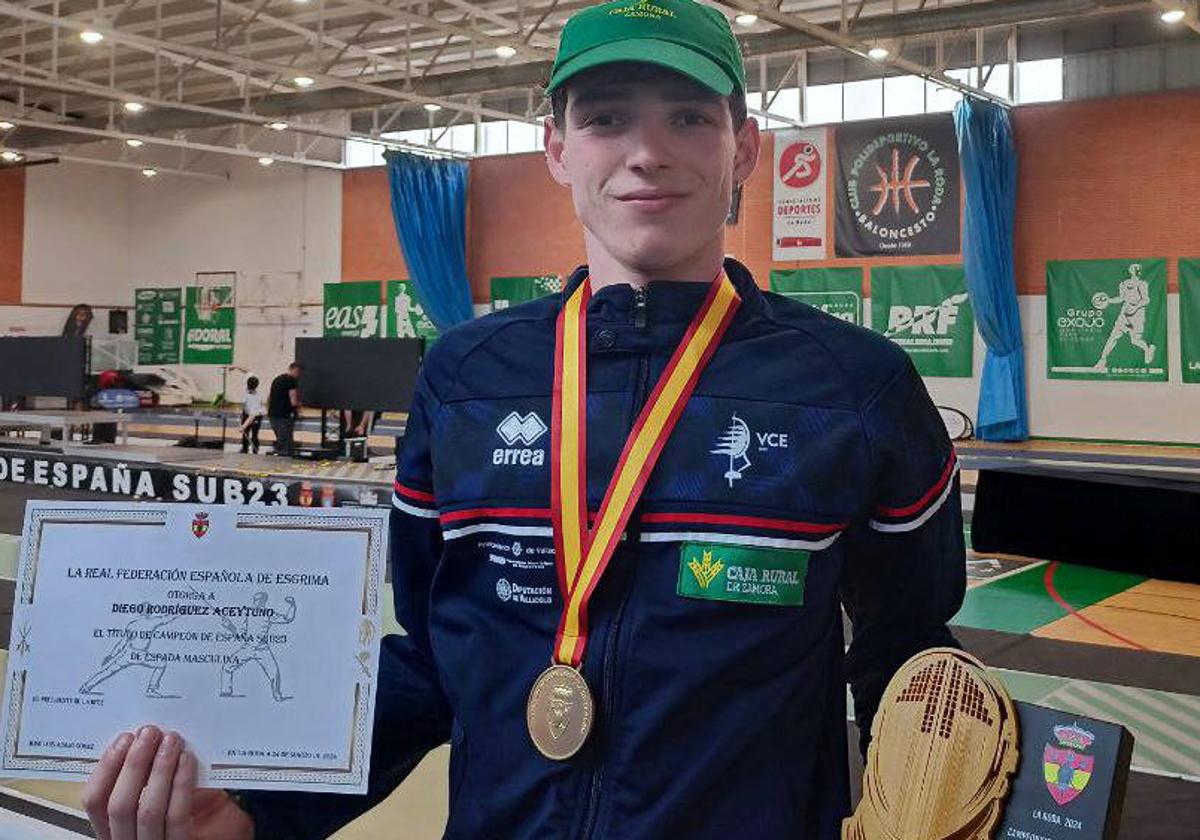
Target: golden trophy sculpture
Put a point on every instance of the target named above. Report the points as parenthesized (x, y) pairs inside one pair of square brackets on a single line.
[(943, 746)]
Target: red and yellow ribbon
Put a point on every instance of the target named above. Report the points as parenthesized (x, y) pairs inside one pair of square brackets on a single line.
[(583, 554)]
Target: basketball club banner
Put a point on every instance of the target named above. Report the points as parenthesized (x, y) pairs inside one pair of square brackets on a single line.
[(1189, 318), (211, 320), (405, 317), (158, 323), (897, 187), (509, 291), (351, 310), (925, 310), (835, 291), (801, 167), (1107, 319)]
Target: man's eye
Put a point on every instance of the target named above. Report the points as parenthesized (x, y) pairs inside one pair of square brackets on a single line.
[(601, 120), (695, 118)]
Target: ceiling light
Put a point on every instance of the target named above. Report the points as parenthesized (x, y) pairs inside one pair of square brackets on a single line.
[(505, 51), (5, 125), (91, 36), (9, 156), (149, 172), (1173, 15), (135, 143), (266, 161), (134, 107), (304, 81), (278, 125), (746, 19), (432, 107), (877, 53)]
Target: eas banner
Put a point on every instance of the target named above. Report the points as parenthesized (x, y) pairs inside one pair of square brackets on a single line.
[(351, 310), (1107, 319), (897, 187), (405, 317), (925, 310), (158, 323), (211, 319), (1189, 318), (835, 291), (801, 167), (509, 291)]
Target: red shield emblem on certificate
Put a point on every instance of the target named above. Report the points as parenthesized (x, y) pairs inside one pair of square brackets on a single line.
[(200, 525)]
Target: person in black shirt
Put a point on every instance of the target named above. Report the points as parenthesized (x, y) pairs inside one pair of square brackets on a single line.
[(283, 404)]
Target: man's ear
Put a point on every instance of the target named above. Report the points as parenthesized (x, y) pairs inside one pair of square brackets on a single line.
[(556, 160), (748, 142)]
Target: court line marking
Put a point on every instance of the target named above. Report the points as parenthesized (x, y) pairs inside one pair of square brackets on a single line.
[(1048, 582)]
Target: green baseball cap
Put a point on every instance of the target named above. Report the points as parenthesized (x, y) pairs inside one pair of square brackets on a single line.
[(680, 35)]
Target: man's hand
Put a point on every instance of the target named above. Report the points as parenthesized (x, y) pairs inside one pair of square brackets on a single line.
[(144, 788)]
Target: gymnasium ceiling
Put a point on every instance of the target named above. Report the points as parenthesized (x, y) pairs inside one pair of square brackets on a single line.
[(213, 75)]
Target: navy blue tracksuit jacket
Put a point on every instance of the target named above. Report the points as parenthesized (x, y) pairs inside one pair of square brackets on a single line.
[(715, 718)]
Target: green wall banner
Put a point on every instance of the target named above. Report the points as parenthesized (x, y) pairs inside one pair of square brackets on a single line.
[(211, 320), (835, 291), (1189, 318), (1107, 319), (925, 310), (158, 323), (405, 317), (351, 310), (509, 291)]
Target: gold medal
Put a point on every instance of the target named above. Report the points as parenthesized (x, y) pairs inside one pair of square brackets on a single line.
[(559, 712)]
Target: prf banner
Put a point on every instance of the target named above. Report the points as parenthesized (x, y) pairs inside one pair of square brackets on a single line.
[(1189, 318), (158, 319), (925, 310), (351, 310), (801, 167), (406, 318), (1107, 319), (835, 291), (897, 187), (509, 291), (211, 319)]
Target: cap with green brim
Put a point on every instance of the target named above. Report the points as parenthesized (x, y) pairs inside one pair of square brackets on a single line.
[(681, 35)]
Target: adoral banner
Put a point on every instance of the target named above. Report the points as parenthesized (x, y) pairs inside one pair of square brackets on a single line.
[(835, 291)]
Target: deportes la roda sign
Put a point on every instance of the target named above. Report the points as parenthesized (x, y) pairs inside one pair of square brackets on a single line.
[(897, 187), (801, 164)]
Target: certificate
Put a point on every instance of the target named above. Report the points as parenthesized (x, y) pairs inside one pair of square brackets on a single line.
[(253, 632)]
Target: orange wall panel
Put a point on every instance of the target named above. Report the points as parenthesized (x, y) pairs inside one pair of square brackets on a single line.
[(1107, 178), (12, 233), (370, 250), (1099, 178), (519, 221)]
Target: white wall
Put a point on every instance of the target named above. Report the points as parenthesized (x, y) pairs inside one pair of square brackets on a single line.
[(93, 235), (1136, 411)]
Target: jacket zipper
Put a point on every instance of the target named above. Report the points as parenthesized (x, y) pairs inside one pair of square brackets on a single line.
[(609, 671)]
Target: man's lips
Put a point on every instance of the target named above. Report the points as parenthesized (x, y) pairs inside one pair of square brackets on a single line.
[(651, 199)]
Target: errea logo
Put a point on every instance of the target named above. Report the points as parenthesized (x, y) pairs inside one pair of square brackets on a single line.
[(527, 429)]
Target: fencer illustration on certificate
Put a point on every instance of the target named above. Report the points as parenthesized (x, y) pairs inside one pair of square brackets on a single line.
[(253, 632)]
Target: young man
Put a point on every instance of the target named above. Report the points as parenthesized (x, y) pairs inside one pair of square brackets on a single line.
[(253, 409), (662, 484), (283, 405)]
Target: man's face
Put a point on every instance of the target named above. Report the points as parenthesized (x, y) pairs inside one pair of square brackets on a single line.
[(651, 167), (294, 370)]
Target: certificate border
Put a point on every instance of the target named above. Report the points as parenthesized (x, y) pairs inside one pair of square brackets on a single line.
[(36, 520), (354, 774)]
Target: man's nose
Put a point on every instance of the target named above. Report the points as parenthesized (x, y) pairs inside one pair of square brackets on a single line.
[(651, 146)]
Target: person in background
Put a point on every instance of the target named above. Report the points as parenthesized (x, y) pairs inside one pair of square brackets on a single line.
[(283, 405), (253, 410)]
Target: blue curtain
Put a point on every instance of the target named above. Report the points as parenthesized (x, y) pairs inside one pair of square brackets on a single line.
[(429, 208), (989, 165)]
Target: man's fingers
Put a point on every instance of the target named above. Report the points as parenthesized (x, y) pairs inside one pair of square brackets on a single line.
[(183, 788), (156, 795), (126, 793), (100, 784)]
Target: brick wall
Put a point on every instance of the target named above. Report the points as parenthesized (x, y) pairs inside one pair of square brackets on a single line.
[(12, 233)]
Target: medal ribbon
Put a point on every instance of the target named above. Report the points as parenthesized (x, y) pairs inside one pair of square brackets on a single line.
[(583, 554)]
